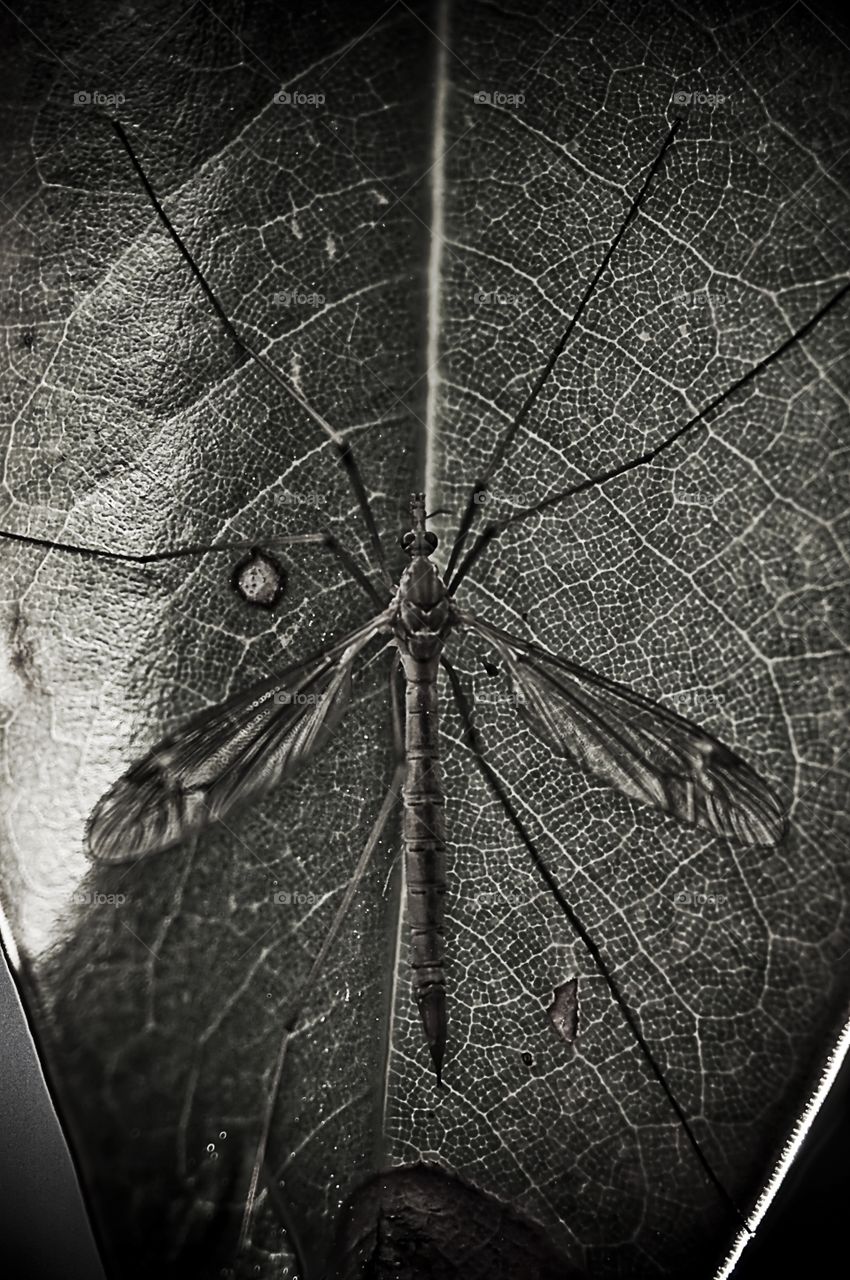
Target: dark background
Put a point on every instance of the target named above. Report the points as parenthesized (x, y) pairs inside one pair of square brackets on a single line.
[(807, 1220)]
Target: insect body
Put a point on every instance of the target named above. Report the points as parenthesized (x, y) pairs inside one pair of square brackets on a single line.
[(424, 616)]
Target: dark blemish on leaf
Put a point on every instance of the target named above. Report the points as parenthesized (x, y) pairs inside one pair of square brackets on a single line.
[(528, 1059), (524, 616), (28, 339), (491, 668), (21, 652), (563, 1012), (259, 579)]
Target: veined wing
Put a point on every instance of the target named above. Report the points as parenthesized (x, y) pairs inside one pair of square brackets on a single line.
[(230, 753), (644, 750)]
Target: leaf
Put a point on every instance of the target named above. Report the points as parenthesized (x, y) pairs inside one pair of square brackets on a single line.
[(712, 579), (421, 1220)]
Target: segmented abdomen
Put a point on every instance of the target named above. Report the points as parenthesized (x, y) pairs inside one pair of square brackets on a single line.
[(423, 833)]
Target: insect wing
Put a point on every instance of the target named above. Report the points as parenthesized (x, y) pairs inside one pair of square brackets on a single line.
[(228, 754), (643, 749)]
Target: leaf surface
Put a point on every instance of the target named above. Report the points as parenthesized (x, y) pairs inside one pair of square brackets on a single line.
[(712, 579)]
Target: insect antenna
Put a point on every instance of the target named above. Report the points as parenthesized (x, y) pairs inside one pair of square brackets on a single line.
[(496, 527), (473, 742), (343, 449), (479, 489)]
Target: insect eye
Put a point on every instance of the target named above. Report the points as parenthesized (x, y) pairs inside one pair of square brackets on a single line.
[(407, 540), (431, 539)]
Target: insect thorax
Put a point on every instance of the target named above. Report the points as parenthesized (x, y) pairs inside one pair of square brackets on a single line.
[(424, 613)]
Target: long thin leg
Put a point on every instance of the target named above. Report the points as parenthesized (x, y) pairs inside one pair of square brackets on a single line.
[(351, 566), (473, 742), (496, 527), (391, 799), (480, 487), (327, 540), (132, 557), (343, 448)]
